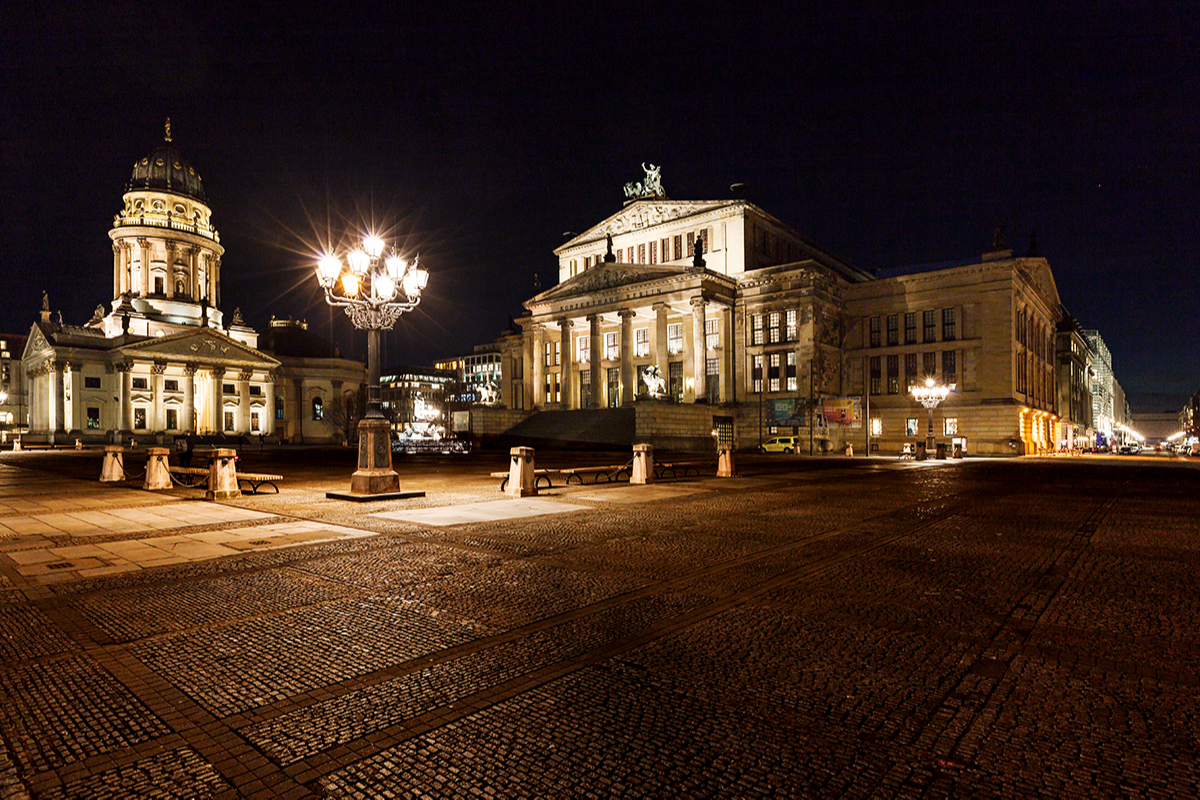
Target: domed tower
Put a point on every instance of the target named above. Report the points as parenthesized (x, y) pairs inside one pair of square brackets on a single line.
[(166, 253)]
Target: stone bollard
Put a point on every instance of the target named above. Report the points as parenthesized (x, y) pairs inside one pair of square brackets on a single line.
[(643, 464), (17, 444), (222, 475), (849, 449), (725, 466), (921, 454), (113, 468), (521, 481), (158, 476)]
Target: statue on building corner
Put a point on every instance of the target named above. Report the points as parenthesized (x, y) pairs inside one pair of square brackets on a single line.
[(698, 254), (609, 258), (237, 317)]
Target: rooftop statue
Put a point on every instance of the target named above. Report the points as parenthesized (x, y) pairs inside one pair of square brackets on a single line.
[(651, 186)]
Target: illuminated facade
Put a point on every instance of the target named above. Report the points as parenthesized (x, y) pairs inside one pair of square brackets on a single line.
[(13, 404), (164, 359)]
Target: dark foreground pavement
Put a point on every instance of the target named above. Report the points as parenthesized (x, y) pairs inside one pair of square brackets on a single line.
[(815, 628)]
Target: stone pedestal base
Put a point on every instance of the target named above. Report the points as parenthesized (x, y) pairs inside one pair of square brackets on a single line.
[(374, 474), (521, 481), (222, 475), (725, 465), (643, 464), (113, 468), (157, 474)]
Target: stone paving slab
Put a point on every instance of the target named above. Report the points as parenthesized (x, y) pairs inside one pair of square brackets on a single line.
[(650, 493), (489, 511)]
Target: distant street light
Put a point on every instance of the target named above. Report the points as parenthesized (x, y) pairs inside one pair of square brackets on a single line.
[(374, 290), (930, 395)]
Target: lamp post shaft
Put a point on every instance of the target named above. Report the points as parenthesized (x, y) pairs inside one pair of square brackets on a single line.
[(929, 438), (374, 408)]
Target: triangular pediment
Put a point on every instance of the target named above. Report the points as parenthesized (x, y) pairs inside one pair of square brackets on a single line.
[(1038, 273), (36, 344), (644, 214), (201, 346), (609, 275)]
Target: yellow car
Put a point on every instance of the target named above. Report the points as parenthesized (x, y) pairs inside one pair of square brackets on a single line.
[(779, 444)]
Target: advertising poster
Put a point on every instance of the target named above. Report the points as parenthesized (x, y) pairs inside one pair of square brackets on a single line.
[(787, 413), (842, 411)]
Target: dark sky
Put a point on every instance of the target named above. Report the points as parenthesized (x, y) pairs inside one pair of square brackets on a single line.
[(891, 137)]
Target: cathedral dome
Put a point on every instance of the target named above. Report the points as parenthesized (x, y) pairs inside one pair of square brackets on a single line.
[(166, 170)]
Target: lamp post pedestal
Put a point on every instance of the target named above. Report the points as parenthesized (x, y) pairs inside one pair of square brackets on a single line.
[(375, 474)]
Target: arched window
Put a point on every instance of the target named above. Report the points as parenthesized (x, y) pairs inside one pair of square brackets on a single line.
[(318, 409)]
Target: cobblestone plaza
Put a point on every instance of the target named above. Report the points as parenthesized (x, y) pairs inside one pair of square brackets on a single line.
[(813, 628)]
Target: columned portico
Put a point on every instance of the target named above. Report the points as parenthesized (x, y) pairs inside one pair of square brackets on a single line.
[(218, 398), (188, 423), (123, 370), (535, 390), (660, 335)]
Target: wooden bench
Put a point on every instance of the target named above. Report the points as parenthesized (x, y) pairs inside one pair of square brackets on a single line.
[(610, 472), (257, 479), (191, 477)]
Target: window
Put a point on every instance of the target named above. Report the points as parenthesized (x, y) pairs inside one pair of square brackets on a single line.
[(93, 418), (704, 241), (611, 351), (228, 388), (278, 407), (893, 330), (318, 408), (950, 426), (930, 334), (229, 420), (910, 426), (630, 251), (254, 424), (712, 339), (1021, 326), (91, 382), (876, 426), (675, 338), (172, 419), (893, 366), (583, 349), (791, 331), (874, 325), (875, 374), (654, 252), (910, 327), (139, 419), (691, 244), (553, 388), (948, 332), (910, 370), (774, 327), (773, 372), (929, 367), (256, 391), (614, 386), (756, 372), (675, 380), (678, 247), (666, 250), (712, 380), (642, 336), (171, 385), (139, 383), (158, 284), (756, 329), (641, 253), (949, 367)]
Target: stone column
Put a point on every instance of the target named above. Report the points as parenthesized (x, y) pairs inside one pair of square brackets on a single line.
[(188, 423), (268, 424), (699, 350), (628, 378), (118, 268), (595, 361), (144, 266), (126, 411), (218, 406), (159, 423), (55, 406), (660, 339), (537, 375), (725, 359), (243, 415), (564, 339), (169, 281)]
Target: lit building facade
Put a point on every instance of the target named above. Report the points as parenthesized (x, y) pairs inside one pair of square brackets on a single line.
[(1074, 379), (14, 407), (164, 359)]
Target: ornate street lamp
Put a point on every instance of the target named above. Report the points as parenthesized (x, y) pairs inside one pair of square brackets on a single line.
[(374, 290), (930, 395)]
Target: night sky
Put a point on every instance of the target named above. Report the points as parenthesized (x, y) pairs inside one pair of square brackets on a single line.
[(890, 137)]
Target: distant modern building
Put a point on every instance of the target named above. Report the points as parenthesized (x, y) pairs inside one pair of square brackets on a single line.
[(715, 318), (1074, 378), (1104, 405), (14, 408), (400, 390), (163, 358)]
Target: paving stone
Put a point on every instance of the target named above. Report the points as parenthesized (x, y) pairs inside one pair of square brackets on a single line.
[(179, 774)]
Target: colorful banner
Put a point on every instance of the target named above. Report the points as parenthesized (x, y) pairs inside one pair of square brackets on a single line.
[(787, 413), (842, 411)]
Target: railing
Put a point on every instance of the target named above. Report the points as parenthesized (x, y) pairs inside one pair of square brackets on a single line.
[(174, 224)]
